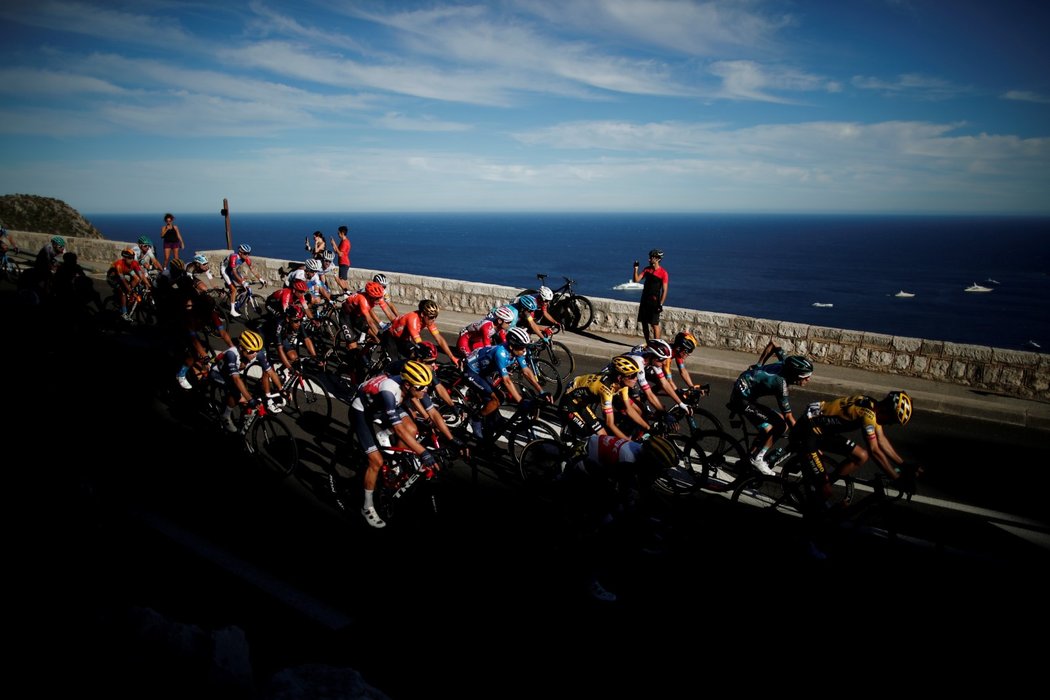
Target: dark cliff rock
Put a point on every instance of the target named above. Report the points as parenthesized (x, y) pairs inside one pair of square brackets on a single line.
[(30, 212)]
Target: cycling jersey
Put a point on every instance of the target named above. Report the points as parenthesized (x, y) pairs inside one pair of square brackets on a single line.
[(230, 364), (143, 257), (231, 264), (128, 269), (844, 414), (381, 397), (594, 389), (609, 450), (492, 360), (409, 326), (479, 334), (762, 380)]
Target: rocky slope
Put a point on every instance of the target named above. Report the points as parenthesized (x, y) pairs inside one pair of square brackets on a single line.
[(30, 212)]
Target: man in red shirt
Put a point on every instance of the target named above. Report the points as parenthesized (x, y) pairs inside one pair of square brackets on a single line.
[(654, 292), (342, 246)]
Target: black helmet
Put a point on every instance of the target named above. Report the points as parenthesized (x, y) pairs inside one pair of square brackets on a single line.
[(797, 367), (656, 253)]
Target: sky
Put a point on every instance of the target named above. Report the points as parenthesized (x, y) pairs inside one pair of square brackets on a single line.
[(812, 106)]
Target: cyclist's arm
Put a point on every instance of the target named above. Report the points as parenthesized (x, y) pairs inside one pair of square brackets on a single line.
[(408, 437), (882, 452), (239, 383), (439, 421), (531, 378), (636, 415), (440, 343)]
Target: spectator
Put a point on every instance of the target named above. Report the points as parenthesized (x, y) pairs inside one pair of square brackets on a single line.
[(342, 246), (654, 293), (317, 247), (172, 238)]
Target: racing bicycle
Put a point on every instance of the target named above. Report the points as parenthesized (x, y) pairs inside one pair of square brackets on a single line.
[(573, 311)]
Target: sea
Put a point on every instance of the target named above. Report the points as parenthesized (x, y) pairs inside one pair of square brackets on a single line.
[(829, 270)]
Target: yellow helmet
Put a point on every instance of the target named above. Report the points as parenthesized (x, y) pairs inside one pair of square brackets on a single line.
[(901, 407), (625, 365), (250, 341), (660, 453), (417, 374)]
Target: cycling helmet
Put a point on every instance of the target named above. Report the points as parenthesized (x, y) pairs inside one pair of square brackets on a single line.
[(300, 286), (178, 264), (527, 301), (380, 278), (250, 341), (546, 294), (294, 313), (625, 365), (200, 259), (517, 337), (244, 248), (328, 255), (428, 308), (656, 253), (797, 367), (426, 351), (504, 313), (900, 404), (658, 348), (686, 341), (374, 290), (417, 374), (145, 240), (313, 265), (127, 253), (58, 241), (660, 453)]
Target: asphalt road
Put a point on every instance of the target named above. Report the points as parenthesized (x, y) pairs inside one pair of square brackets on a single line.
[(120, 500)]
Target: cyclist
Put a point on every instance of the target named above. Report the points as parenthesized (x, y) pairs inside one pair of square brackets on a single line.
[(652, 358), (357, 316), (600, 483), (382, 399), (582, 398), (197, 269), (146, 257), (198, 315), (760, 380), (228, 368), (486, 368), (289, 333), (123, 276), (682, 346), (426, 353), (286, 297), (527, 306), (825, 424), (310, 273), (231, 273), (489, 330), (404, 332), (6, 243), (381, 279)]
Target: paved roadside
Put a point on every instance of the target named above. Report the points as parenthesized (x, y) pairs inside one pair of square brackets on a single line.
[(727, 364)]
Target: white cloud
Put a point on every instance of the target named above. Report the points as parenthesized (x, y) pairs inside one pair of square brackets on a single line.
[(911, 84), (33, 82), (395, 121), (748, 80), (1026, 96)]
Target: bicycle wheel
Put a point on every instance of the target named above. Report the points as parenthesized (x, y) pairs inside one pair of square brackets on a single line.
[(559, 355), (272, 443), (311, 401), (574, 313), (221, 298), (717, 458), (707, 421), (542, 461), (524, 433), (549, 378), (146, 312), (771, 494)]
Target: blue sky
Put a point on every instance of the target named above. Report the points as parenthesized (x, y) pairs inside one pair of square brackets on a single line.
[(923, 106)]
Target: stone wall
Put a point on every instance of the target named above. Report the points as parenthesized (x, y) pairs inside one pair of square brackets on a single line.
[(996, 370)]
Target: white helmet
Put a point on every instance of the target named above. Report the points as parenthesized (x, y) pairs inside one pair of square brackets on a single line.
[(546, 294), (658, 348), (313, 264), (517, 337), (504, 313)]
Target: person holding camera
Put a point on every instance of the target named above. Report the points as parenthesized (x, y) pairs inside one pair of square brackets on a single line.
[(654, 293)]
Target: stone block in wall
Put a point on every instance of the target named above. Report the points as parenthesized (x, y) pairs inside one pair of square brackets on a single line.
[(909, 345), (824, 333), (932, 348), (920, 364), (879, 341), (881, 358), (959, 370), (861, 356), (854, 338), (1012, 377), (791, 331), (979, 353), (901, 362), (1014, 357), (987, 374)]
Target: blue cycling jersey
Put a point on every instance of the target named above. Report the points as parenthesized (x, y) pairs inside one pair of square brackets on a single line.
[(493, 359)]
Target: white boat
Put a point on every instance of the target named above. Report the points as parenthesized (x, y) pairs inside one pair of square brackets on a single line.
[(991, 281), (1034, 345), (821, 305), (978, 288), (629, 285), (904, 295)]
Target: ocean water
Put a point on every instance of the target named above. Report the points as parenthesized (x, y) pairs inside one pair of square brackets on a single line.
[(765, 266)]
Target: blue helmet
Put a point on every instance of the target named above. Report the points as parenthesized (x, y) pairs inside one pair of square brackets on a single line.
[(527, 301), (244, 248)]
